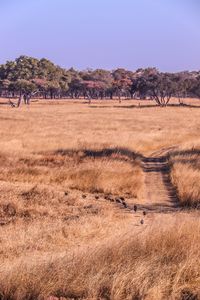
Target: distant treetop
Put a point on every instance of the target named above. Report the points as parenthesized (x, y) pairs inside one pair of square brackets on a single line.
[(27, 75)]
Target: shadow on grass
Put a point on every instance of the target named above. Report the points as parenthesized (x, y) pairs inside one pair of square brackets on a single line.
[(146, 106), (189, 152), (121, 154)]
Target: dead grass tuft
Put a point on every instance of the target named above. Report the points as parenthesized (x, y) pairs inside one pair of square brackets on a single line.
[(185, 174)]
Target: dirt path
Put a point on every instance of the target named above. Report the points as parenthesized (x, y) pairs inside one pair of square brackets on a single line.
[(160, 193)]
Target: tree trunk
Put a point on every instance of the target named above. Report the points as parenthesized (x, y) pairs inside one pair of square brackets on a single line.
[(19, 100)]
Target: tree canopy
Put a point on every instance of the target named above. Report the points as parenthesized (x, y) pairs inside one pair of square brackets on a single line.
[(28, 75)]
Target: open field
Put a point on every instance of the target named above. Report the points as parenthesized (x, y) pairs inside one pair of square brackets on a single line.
[(71, 175)]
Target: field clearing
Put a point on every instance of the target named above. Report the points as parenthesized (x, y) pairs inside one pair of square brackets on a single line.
[(70, 175), (53, 124)]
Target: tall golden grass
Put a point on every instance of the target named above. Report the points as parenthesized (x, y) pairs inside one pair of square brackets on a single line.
[(185, 174), (104, 171), (156, 262), (60, 163)]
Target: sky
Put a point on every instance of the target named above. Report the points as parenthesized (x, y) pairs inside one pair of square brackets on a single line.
[(103, 33)]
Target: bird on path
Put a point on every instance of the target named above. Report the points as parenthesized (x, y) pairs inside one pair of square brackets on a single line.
[(142, 222), (124, 204), (118, 200), (135, 208), (107, 197)]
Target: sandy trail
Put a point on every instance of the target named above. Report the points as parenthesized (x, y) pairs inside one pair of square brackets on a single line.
[(160, 195)]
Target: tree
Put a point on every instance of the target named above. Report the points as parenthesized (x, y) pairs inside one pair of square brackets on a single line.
[(25, 75), (122, 82), (193, 85), (158, 86)]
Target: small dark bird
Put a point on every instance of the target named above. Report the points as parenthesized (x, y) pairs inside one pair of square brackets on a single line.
[(96, 197), (125, 205), (84, 196), (141, 222), (118, 200), (108, 198), (135, 208), (144, 213)]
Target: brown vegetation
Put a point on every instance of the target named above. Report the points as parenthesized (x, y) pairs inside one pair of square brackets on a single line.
[(185, 175), (64, 230), (104, 171), (157, 262)]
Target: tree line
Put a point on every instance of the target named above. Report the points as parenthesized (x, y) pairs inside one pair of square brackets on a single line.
[(27, 76)]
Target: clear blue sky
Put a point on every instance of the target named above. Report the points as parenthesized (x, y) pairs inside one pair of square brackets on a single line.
[(103, 33)]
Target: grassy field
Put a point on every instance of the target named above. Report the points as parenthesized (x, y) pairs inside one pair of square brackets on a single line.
[(185, 173), (70, 175)]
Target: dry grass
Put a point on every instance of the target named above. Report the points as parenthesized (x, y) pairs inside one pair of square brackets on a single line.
[(48, 126), (105, 171), (156, 262), (185, 175), (60, 236)]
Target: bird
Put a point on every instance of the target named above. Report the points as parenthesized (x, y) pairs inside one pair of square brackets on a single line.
[(144, 213), (108, 198), (125, 205), (118, 200), (135, 208), (142, 222)]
